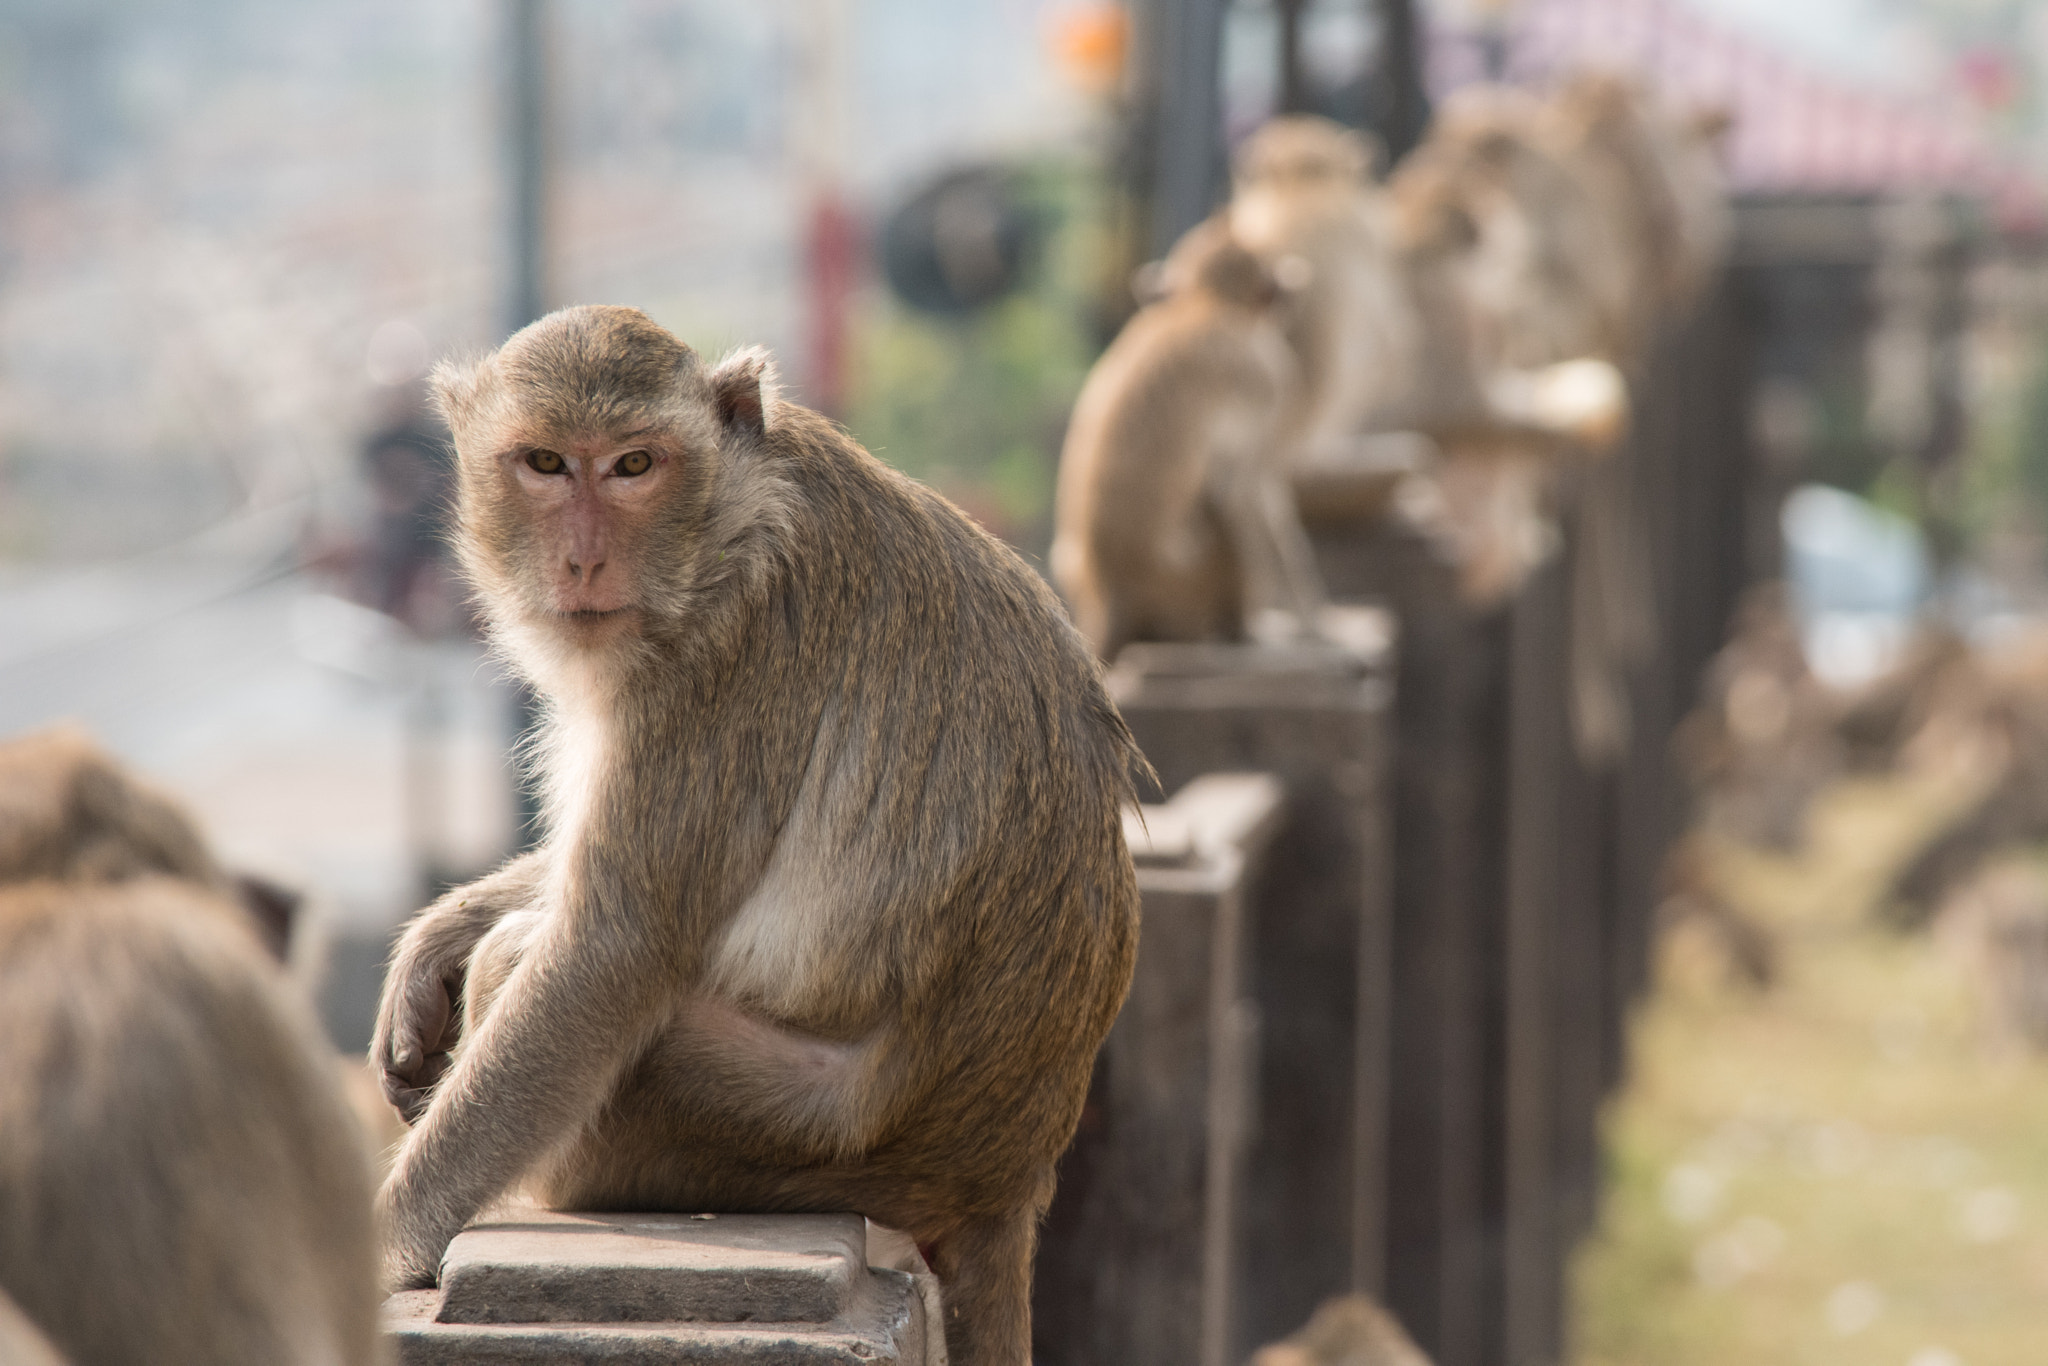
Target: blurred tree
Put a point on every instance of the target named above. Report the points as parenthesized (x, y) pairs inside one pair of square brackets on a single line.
[(976, 403)]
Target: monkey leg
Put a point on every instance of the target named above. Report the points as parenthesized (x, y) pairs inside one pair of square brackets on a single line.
[(492, 961), (730, 1111), (419, 1015)]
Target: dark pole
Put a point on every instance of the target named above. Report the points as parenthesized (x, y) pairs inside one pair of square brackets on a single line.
[(526, 148), (1293, 85), (1178, 170), (526, 160), (1400, 106)]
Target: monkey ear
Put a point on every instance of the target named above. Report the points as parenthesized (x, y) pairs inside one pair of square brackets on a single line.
[(456, 387), (743, 389)]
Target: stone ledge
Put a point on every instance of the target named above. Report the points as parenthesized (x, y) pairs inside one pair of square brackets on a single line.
[(544, 1267), (528, 1285)]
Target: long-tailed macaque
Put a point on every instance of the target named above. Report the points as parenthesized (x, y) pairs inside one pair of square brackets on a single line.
[(1657, 174), (1302, 191), (832, 909), (180, 1178), (1176, 518)]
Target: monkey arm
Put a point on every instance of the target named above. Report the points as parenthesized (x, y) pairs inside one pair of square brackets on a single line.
[(584, 1002), (418, 1018)]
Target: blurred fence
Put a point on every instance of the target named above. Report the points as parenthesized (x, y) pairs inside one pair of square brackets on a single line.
[(1443, 930)]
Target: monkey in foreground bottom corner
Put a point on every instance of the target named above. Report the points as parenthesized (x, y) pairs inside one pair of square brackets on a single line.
[(181, 1181), (833, 908)]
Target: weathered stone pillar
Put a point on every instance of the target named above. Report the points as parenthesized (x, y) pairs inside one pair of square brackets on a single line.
[(1138, 1262), (529, 1285), (1318, 931)]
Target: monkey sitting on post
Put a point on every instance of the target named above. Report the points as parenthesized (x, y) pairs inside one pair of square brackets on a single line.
[(1175, 513), (833, 908)]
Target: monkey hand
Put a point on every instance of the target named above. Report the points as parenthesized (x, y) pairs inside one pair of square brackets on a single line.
[(420, 1015), (411, 1257), (416, 1029)]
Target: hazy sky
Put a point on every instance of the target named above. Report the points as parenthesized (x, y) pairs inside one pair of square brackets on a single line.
[(1865, 37)]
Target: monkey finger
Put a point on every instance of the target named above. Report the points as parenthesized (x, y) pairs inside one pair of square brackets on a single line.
[(409, 1090), (424, 1012), (410, 1102)]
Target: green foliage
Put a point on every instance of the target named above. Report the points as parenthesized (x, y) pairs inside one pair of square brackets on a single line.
[(977, 406)]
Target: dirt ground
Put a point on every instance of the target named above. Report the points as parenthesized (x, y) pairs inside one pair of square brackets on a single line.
[(1848, 1167)]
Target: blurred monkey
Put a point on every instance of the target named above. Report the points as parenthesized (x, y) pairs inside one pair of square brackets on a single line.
[(1175, 514), (181, 1181), (1302, 192), (833, 910), (70, 812), (1350, 1330)]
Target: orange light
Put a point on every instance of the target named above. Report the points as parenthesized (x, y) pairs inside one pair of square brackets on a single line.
[(1088, 44)]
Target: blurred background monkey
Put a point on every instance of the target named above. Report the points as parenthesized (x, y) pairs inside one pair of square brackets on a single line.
[(1351, 1330), (833, 909), (68, 811), (181, 1180), (1175, 510)]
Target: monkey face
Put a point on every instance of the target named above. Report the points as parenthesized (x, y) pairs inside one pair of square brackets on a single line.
[(609, 483), (585, 503)]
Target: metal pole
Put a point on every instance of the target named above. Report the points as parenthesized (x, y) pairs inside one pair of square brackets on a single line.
[(526, 160), (1179, 171), (1293, 83), (1400, 104), (526, 147)]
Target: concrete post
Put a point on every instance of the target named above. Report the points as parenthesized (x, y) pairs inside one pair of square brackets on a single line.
[(1319, 929), (1139, 1260)]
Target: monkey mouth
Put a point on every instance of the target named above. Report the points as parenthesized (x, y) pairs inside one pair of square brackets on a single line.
[(590, 624)]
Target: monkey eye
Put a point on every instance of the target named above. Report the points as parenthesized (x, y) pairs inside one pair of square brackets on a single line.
[(632, 463), (545, 462)]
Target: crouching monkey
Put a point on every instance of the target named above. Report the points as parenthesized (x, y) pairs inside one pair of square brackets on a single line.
[(181, 1180), (833, 908), (1176, 512)]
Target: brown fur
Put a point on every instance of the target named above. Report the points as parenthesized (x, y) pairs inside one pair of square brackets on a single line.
[(1551, 273), (1176, 520), (833, 909), (1666, 188), (70, 812), (1301, 193), (180, 1180), (21, 1342)]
